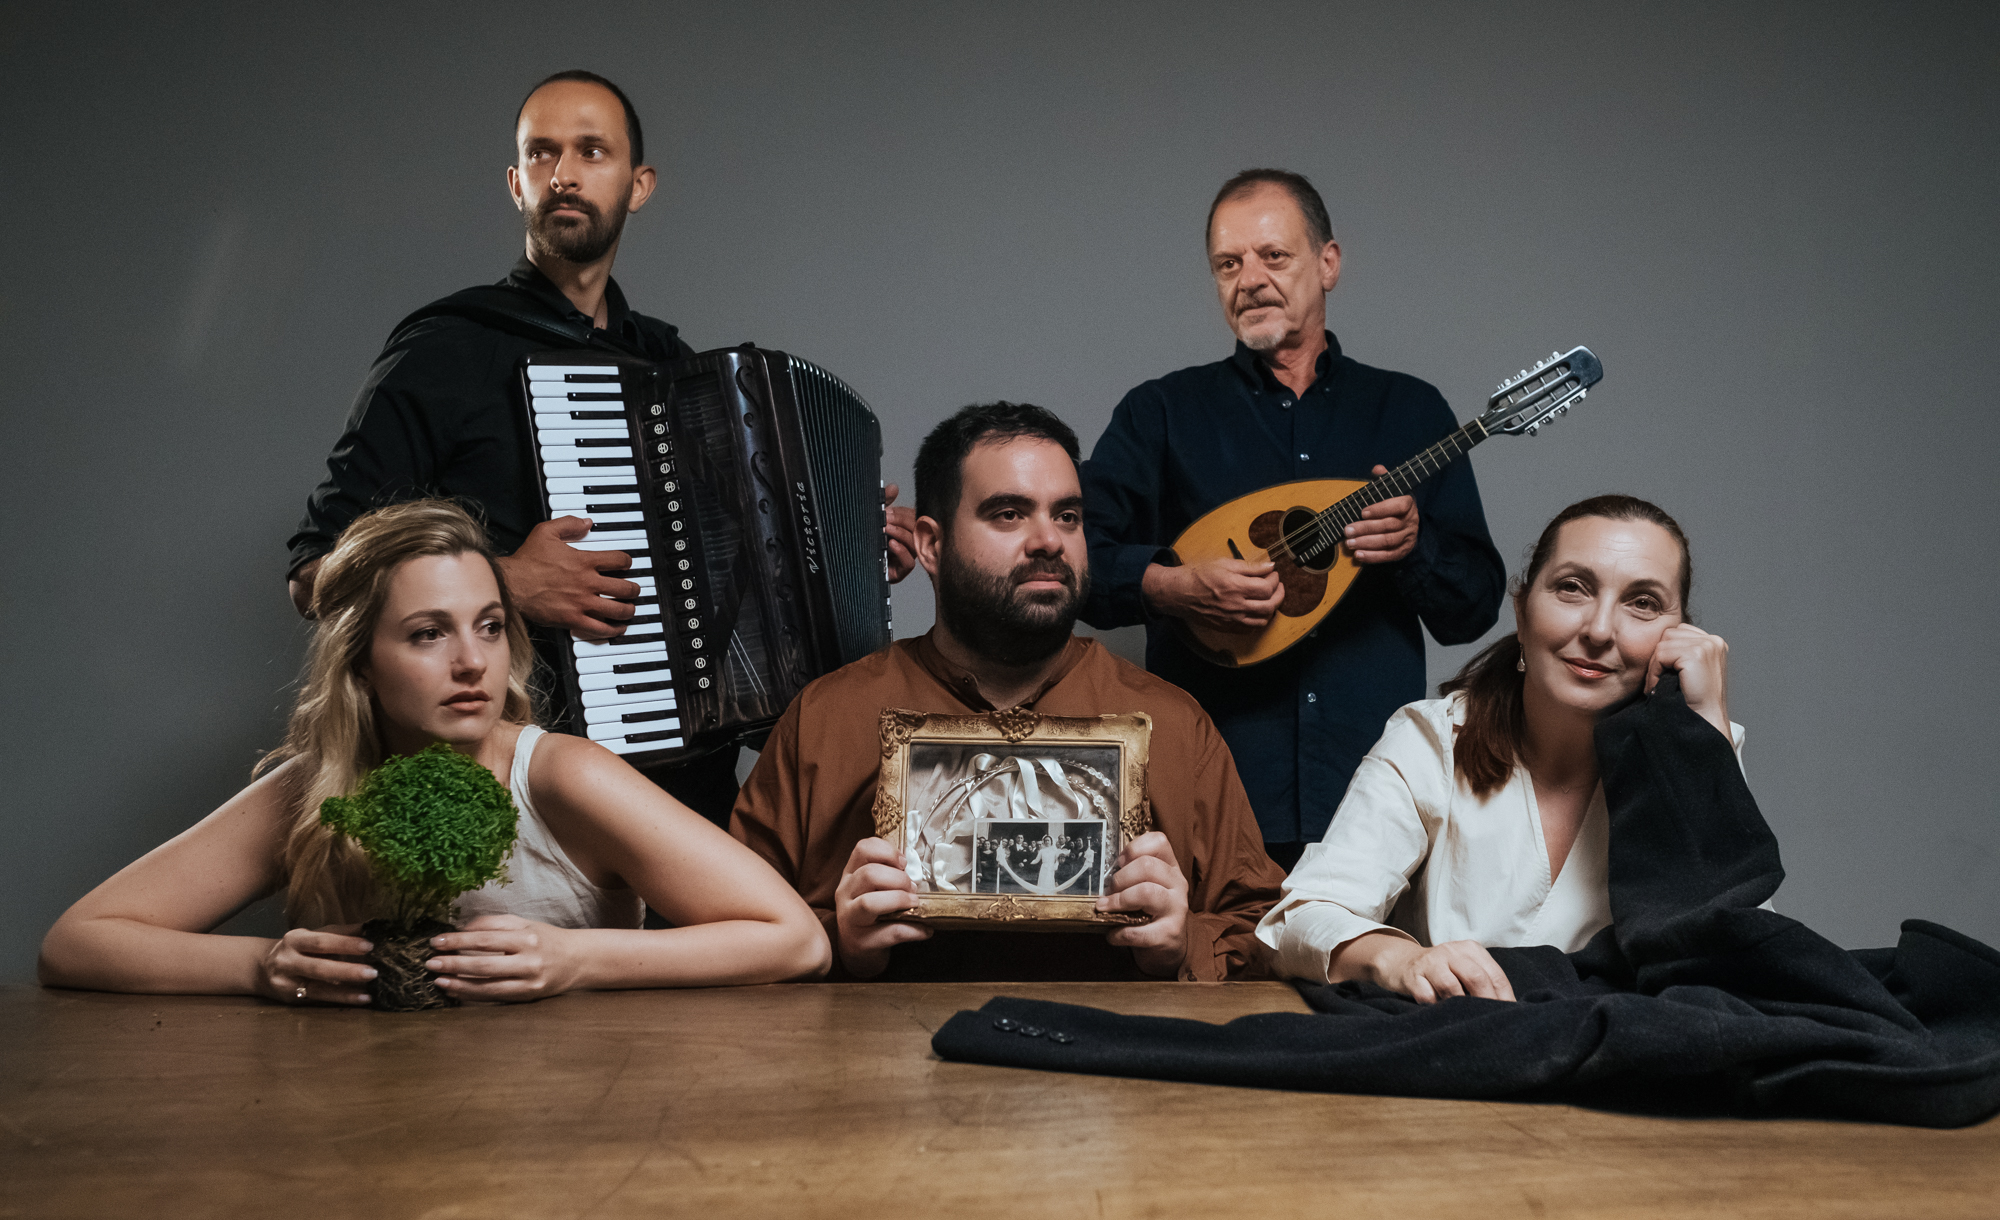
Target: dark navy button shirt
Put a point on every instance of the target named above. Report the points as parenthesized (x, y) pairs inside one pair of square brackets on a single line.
[(1177, 447)]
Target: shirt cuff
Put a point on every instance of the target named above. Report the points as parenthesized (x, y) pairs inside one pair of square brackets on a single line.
[(1422, 557), (1123, 579), (1306, 936), (1205, 961)]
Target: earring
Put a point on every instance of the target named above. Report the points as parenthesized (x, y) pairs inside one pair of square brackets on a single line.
[(1521, 664)]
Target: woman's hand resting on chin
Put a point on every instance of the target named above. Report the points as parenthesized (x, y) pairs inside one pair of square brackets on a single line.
[(1703, 662), (505, 958)]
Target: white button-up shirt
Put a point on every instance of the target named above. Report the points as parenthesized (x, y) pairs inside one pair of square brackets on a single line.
[(1412, 851)]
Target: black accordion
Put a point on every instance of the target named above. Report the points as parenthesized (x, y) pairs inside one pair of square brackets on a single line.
[(746, 485)]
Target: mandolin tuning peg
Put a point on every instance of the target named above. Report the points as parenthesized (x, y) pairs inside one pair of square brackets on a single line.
[(1534, 428)]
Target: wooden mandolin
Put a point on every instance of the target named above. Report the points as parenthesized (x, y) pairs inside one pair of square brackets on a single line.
[(1299, 526)]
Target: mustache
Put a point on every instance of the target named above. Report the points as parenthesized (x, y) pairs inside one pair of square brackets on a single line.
[(578, 202), (1256, 300), (1043, 569)]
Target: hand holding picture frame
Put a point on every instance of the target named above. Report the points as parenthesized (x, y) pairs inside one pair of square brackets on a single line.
[(1013, 818)]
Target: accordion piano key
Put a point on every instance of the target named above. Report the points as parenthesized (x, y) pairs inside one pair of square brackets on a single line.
[(744, 487)]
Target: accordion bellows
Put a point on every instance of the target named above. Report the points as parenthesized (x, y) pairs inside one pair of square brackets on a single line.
[(746, 486)]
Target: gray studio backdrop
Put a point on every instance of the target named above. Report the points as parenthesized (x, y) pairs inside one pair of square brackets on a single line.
[(1774, 223)]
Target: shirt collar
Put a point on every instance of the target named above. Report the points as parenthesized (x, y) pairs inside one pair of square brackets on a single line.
[(965, 687), (1253, 368), (617, 314)]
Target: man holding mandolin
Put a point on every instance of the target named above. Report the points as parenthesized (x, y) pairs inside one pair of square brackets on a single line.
[(1203, 511)]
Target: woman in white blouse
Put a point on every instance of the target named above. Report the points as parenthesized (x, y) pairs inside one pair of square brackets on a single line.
[(1478, 818)]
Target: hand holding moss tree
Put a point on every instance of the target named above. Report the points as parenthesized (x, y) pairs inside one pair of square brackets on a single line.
[(434, 825), (416, 643)]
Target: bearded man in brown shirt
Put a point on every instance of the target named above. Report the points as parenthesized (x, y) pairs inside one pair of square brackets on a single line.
[(1000, 530)]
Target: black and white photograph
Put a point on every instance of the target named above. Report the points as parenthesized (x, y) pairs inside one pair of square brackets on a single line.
[(1041, 857), (953, 788)]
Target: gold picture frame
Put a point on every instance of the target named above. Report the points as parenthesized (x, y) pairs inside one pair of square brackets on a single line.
[(979, 803)]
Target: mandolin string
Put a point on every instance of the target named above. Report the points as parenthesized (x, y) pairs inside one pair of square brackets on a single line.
[(1347, 510)]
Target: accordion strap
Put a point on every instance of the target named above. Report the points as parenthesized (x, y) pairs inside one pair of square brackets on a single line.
[(516, 313)]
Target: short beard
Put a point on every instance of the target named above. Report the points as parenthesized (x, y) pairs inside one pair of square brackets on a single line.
[(1264, 338), (1264, 341), (571, 242), (989, 615)]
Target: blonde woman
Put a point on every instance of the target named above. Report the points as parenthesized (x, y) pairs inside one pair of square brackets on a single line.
[(415, 642)]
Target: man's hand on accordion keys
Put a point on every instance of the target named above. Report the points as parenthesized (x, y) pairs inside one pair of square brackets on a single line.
[(556, 584)]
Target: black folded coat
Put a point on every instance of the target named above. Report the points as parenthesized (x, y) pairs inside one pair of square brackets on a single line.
[(1694, 1001)]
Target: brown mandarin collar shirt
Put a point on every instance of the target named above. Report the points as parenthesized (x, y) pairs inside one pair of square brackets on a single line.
[(811, 798)]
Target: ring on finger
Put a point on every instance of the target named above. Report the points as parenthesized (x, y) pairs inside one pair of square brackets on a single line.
[(298, 995)]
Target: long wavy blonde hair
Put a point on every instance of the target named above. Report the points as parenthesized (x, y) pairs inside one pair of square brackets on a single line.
[(334, 738)]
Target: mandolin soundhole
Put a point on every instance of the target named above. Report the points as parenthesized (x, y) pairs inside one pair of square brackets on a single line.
[(1304, 587)]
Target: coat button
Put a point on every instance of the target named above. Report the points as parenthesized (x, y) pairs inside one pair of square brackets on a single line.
[(1005, 1025)]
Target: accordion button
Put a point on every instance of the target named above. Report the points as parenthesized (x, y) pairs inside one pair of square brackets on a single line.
[(703, 684), (659, 429), (678, 527), (694, 624), (673, 506), (688, 604)]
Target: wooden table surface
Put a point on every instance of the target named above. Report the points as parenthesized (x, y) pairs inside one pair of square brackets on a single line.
[(825, 1100)]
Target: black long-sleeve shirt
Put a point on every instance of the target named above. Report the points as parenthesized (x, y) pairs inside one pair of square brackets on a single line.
[(1177, 447), (440, 414)]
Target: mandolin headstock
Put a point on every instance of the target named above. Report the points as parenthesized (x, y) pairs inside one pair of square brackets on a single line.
[(1536, 396)]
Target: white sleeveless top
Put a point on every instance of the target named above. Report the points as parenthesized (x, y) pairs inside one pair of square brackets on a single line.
[(542, 884)]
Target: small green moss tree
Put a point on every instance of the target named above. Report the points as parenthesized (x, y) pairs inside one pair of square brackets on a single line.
[(434, 824)]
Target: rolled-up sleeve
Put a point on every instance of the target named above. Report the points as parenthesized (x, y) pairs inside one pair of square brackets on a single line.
[(770, 818), (1347, 884), (1232, 881)]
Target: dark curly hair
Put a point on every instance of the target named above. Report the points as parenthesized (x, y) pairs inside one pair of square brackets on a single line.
[(941, 458)]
